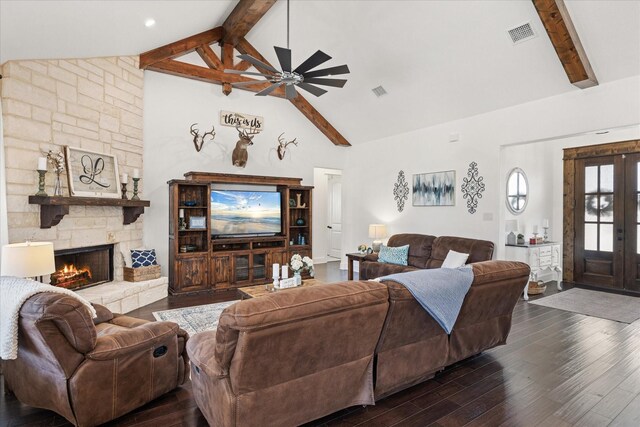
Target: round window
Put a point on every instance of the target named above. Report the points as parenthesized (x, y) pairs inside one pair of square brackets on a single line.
[(517, 191)]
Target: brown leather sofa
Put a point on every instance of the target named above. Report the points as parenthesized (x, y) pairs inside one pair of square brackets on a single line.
[(425, 251), (413, 346), (91, 371), (291, 357), (295, 356)]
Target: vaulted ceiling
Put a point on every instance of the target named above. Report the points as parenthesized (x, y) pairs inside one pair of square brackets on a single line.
[(438, 60)]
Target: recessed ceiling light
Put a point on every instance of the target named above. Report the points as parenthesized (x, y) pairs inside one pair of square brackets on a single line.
[(149, 22)]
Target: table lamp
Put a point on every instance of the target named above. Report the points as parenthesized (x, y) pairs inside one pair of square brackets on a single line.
[(28, 259), (377, 232)]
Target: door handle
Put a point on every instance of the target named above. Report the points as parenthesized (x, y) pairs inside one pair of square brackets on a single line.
[(329, 227)]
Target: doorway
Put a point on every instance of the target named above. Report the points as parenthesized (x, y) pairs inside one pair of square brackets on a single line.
[(606, 217), (327, 215)]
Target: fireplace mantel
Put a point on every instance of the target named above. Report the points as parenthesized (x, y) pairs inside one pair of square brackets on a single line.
[(53, 209)]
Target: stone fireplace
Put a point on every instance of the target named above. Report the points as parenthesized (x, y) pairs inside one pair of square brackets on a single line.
[(80, 268)]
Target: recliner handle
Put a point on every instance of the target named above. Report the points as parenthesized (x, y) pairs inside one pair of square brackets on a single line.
[(160, 351)]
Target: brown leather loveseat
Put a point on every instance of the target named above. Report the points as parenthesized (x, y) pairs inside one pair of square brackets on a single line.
[(425, 251), (91, 371)]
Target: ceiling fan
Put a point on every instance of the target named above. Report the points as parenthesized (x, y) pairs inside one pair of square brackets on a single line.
[(302, 76)]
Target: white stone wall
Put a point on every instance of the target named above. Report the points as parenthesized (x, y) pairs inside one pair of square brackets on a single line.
[(94, 104)]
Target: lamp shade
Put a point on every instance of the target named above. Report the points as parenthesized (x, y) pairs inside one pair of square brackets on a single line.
[(377, 231), (29, 259), (511, 225)]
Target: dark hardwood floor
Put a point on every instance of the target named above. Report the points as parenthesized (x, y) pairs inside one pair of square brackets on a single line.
[(558, 369)]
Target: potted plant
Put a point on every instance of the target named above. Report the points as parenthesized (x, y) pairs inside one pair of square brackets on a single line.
[(299, 264)]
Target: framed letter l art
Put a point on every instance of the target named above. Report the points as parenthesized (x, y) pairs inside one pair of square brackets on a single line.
[(92, 174)]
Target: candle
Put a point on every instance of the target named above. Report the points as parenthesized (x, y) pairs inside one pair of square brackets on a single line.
[(535, 229), (136, 173), (545, 223), (125, 178), (285, 271), (42, 163), (276, 270), (181, 213)]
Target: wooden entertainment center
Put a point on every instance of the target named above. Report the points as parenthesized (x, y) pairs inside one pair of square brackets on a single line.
[(199, 261)]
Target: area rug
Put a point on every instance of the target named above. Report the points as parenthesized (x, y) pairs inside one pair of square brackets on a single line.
[(195, 319), (621, 308)]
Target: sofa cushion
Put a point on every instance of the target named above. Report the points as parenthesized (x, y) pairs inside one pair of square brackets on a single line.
[(394, 255), (478, 250), (419, 247)]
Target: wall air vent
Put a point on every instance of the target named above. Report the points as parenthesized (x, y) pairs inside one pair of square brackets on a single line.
[(521, 33), (379, 91)]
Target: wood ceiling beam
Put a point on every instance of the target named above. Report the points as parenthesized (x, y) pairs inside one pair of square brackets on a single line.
[(209, 57), (319, 121), (564, 37), (181, 47), (243, 17), (244, 47), (209, 75), (227, 61)]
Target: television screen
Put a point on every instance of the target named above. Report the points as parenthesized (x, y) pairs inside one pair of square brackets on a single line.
[(236, 212)]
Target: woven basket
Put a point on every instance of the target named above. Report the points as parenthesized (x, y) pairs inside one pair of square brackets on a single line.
[(141, 273), (536, 288)]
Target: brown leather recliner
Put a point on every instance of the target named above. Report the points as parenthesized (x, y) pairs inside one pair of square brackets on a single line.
[(290, 357), (92, 373), (425, 251)]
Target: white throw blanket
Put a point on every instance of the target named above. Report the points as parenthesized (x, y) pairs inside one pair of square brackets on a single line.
[(13, 293)]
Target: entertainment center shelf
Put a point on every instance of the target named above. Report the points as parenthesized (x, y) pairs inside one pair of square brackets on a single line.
[(205, 251)]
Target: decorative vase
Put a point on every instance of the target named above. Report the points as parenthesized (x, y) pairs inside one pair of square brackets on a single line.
[(57, 189), (300, 221), (297, 277)]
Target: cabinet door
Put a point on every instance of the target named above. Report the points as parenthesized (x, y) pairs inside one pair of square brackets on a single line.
[(221, 271), (240, 269), (259, 269), (191, 274)]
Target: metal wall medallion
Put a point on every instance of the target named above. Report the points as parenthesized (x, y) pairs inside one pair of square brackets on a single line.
[(401, 191), (472, 187)]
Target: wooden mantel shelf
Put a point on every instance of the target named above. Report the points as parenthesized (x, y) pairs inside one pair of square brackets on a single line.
[(53, 209)]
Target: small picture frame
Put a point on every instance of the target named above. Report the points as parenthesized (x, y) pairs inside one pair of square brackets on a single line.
[(92, 174), (197, 222)]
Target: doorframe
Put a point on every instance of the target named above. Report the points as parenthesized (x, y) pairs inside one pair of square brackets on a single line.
[(571, 155)]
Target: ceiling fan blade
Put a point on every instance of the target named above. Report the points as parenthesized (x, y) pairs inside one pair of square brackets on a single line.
[(258, 63), (340, 69), (312, 62), (249, 83), (270, 89), (326, 82), (284, 57), (290, 91), (312, 89), (250, 73)]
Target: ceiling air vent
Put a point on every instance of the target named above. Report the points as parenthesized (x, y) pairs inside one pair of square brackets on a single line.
[(379, 91), (521, 33)]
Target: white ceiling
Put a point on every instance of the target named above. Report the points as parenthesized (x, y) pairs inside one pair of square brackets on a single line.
[(438, 60)]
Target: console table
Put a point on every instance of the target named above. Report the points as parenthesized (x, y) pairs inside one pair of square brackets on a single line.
[(540, 257)]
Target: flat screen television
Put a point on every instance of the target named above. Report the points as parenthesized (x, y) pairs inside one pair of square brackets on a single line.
[(238, 213)]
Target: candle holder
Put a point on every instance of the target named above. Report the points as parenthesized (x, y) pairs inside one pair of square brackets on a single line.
[(546, 234), (123, 187), (41, 191), (135, 189)]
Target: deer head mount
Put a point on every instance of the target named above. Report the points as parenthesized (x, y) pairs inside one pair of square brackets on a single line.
[(198, 140), (240, 154), (283, 144)]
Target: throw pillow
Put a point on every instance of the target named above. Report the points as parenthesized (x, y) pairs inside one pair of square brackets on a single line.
[(394, 255), (143, 257), (455, 259)]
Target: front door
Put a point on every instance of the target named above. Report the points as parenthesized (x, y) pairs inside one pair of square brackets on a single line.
[(606, 218)]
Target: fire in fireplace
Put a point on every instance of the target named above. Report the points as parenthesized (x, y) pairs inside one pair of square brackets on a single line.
[(83, 267)]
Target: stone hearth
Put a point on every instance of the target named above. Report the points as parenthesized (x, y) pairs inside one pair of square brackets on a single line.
[(123, 297)]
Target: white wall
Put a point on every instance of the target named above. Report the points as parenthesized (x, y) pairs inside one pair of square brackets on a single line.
[(172, 104), (372, 168)]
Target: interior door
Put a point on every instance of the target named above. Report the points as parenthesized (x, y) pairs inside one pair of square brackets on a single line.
[(335, 216), (632, 219), (599, 221)]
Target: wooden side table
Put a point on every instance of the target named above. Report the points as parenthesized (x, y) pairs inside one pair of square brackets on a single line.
[(356, 256)]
